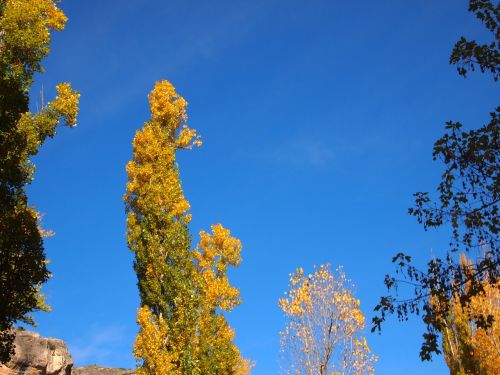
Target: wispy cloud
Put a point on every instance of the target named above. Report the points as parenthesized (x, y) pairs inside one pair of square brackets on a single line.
[(98, 346), (304, 152), (202, 39), (320, 153)]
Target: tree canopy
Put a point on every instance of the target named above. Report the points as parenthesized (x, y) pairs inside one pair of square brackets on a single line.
[(25, 27), (467, 203), (323, 326)]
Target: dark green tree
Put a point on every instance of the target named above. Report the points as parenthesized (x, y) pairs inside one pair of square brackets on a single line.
[(25, 27), (467, 203)]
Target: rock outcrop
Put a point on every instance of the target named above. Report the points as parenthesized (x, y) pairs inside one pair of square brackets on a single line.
[(35, 355)]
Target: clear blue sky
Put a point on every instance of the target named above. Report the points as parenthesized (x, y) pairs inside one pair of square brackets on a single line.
[(318, 120)]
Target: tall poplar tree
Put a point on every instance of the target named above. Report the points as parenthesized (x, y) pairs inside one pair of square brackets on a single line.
[(25, 27), (182, 290)]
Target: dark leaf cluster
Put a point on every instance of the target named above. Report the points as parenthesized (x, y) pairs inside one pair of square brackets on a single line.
[(23, 266), (467, 203), (468, 55)]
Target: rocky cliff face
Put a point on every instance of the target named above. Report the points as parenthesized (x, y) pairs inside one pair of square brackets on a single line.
[(36, 355)]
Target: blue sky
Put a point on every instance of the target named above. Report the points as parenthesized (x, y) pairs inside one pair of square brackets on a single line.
[(318, 120)]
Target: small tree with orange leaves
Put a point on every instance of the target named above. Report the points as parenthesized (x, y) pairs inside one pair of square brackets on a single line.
[(323, 324)]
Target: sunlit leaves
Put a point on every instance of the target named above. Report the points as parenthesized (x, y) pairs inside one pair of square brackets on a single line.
[(323, 324), (158, 235), (181, 329), (214, 254), (153, 344), (168, 109), (470, 333), (25, 36)]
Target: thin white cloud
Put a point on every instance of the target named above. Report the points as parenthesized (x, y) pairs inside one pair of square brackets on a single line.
[(97, 346), (196, 43), (321, 153), (304, 152)]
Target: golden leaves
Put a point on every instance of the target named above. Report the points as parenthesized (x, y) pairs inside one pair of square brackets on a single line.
[(323, 325), (243, 367), (66, 103), (156, 232), (212, 256), (468, 348), (485, 341), (25, 27), (168, 109), (187, 138), (37, 127), (152, 345), (153, 178), (56, 19), (21, 16), (185, 332), (180, 207)]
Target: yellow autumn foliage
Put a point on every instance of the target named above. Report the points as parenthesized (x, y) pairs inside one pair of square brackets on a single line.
[(323, 324), (181, 330), (153, 345), (469, 349)]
